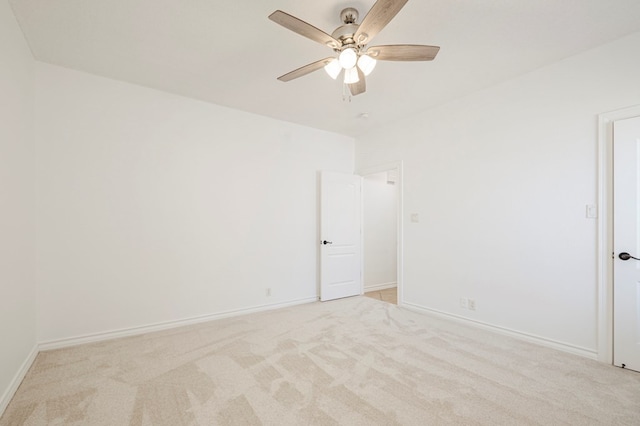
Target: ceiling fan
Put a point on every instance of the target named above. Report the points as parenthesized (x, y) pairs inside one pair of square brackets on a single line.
[(351, 43)]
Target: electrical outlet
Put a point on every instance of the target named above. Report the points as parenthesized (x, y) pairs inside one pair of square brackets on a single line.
[(464, 303), (268, 292), (472, 304)]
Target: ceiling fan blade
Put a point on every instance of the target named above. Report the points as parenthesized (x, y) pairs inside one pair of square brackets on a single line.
[(304, 29), (307, 69), (360, 86), (403, 52), (381, 13)]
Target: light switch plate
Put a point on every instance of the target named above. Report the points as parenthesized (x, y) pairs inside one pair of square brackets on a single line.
[(415, 217)]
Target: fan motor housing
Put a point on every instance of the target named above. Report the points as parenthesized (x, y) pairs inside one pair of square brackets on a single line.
[(345, 33)]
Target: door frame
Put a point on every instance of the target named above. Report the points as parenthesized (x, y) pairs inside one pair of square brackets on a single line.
[(604, 277), (394, 165)]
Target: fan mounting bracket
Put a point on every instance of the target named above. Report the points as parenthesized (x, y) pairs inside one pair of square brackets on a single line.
[(349, 15)]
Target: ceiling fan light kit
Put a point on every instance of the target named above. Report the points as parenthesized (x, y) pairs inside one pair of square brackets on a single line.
[(366, 63), (348, 58), (333, 68), (349, 42), (351, 76)]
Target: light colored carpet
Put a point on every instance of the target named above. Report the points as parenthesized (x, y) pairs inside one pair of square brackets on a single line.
[(355, 361)]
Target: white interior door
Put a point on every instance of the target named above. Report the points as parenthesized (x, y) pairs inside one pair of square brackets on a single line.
[(626, 243), (340, 235)]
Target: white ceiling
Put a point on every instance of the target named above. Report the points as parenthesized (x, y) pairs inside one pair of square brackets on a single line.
[(229, 53)]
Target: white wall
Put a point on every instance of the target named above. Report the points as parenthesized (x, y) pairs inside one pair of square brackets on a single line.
[(501, 179), (379, 231), (17, 200), (154, 208)]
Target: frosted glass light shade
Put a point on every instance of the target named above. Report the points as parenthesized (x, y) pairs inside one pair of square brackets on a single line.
[(351, 76), (366, 63), (333, 68), (348, 58)]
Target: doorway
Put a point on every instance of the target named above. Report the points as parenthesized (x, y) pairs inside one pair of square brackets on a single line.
[(381, 217)]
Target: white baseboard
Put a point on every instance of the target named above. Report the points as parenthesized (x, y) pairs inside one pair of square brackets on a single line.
[(133, 331), (377, 287), (17, 379), (565, 347)]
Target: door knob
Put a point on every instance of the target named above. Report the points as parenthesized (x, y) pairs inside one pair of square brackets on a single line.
[(626, 256), (325, 242)]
